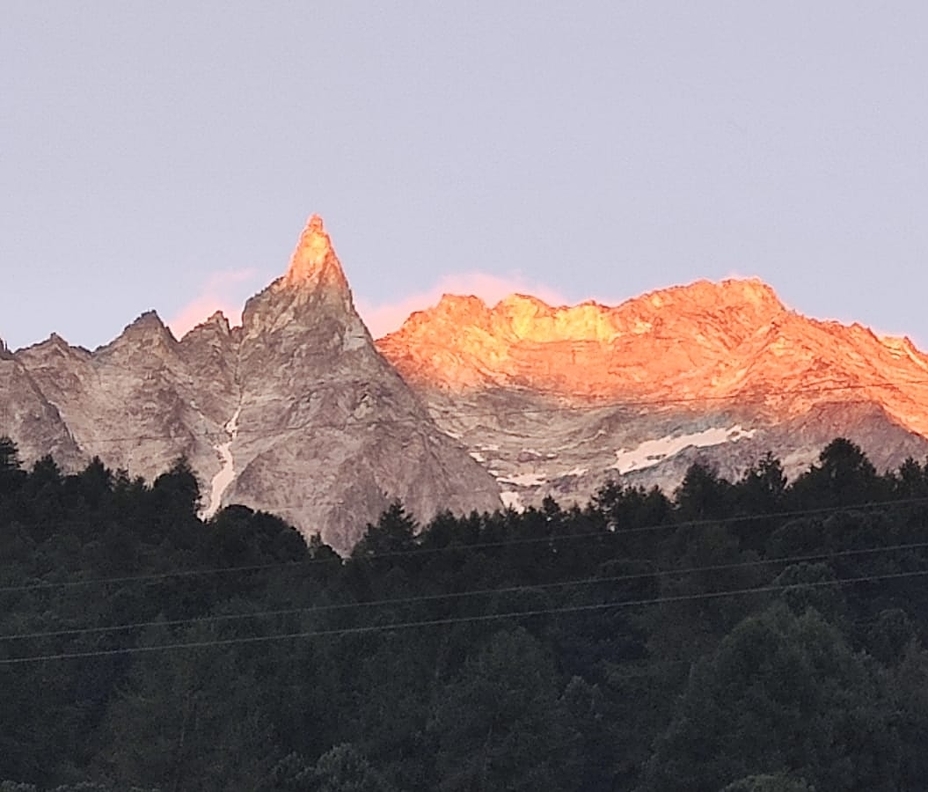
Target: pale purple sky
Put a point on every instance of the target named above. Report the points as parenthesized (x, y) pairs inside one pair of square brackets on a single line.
[(166, 155)]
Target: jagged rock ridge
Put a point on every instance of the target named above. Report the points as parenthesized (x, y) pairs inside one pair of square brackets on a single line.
[(553, 400), (298, 411), (295, 411)]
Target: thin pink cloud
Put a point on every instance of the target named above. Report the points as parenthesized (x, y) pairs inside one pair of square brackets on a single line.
[(384, 318), (223, 291)]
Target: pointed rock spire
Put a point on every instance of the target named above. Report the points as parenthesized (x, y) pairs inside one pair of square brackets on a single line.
[(147, 328), (314, 259)]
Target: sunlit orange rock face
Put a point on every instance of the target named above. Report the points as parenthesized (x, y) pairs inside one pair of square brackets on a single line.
[(701, 345), (296, 412), (314, 261)]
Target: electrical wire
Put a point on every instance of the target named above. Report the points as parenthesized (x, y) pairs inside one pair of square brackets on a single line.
[(367, 629), (821, 387), (460, 548), (525, 588)]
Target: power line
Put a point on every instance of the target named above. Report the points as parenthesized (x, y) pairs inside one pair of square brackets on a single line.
[(820, 387), (155, 576), (461, 548), (525, 588), (650, 666), (572, 609)]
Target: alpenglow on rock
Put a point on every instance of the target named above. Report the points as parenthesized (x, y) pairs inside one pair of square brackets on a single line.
[(467, 406), (295, 412), (556, 400)]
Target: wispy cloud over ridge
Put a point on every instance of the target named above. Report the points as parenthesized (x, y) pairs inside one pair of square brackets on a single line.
[(385, 317), (224, 291)]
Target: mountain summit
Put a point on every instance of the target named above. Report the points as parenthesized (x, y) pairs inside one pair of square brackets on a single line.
[(294, 412), (586, 351), (314, 260), (556, 399), (467, 406)]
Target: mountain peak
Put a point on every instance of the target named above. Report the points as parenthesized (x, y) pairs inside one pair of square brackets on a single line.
[(148, 320), (314, 260), (147, 327), (588, 350)]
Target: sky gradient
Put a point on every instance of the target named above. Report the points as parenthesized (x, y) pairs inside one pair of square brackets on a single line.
[(167, 155)]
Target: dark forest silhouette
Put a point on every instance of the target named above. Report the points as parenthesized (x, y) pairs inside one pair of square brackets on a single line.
[(749, 635)]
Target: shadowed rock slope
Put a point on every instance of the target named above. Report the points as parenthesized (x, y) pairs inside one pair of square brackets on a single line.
[(294, 412)]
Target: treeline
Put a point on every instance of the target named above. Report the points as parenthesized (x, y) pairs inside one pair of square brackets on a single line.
[(750, 635)]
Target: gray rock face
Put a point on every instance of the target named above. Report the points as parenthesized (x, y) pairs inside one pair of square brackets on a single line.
[(557, 400), (325, 428), (27, 416), (536, 446), (298, 412), (133, 403), (294, 412)]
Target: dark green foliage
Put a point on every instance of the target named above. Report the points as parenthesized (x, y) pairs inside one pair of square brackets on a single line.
[(289, 774), (842, 477), (762, 490), (344, 769), (770, 783), (394, 533), (499, 723), (746, 636), (11, 476), (703, 494), (790, 678)]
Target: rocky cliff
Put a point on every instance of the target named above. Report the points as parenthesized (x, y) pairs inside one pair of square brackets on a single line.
[(467, 406), (295, 411), (554, 400)]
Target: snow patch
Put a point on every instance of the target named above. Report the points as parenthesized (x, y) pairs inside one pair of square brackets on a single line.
[(524, 479), (477, 456), (511, 500), (577, 471), (653, 452), (223, 478)]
